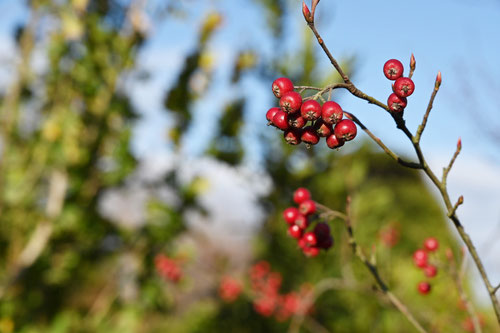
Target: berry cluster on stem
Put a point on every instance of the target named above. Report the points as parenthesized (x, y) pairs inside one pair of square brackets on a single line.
[(421, 260)]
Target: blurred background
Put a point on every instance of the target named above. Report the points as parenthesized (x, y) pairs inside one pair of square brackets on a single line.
[(141, 190)]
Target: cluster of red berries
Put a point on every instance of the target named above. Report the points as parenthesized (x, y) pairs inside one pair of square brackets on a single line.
[(402, 86), (168, 268), (421, 260), (268, 301), (299, 219), (229, 289), (308, 121)]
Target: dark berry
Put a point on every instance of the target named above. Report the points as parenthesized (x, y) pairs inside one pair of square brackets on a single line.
[(322, 231), (290, 214), (331, 112), (307, 207), (292, 136), (300, 195), (345, 130), (281, 86), (431, 244), (280, 120), (309, 136), (404, 87), (310, 110), (291, 102), (393, 69), (333, 142), (396, 103)]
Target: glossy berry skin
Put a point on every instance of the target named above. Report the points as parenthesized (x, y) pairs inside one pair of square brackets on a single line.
[(290, 215), (296, 121), (310, 251), (420, 258), (270, 115), (323, 129), (393, 69), (301, 221), (310, 110), (424, 288), (307, 207), (291, 102), (430, 270), (295, 231), (292, 136), (309, 135), (280, 120), (300, 195), (396, 104), (404, 87), (310, 238), (331, 113), (281, 86), (333, 142), (345, 130), (431, 244)]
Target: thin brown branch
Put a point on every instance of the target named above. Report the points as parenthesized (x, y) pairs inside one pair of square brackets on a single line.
[(421, 127), (452, 161), (455, 207), (494, 290)]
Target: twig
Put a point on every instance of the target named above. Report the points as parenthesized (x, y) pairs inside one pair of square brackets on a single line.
[(452, 161), (421, 127), (400, 123)]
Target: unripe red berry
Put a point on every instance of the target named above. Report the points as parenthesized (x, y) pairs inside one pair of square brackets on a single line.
[(333, 142), (310, 251), (301, 221), (291, 102), (307, 207), (300, 195), (420, 258), (310, 238), (424, 287), (431, 244), (323, 129), (309, 136), (331, 112), (310, 110), (345, 130), (281, 86), (393, 69), (430, 270), (295, 231), (296, 120), (396, 103), (290, 214), (270, 115), (404, 87), (280, 120), (292, 136)]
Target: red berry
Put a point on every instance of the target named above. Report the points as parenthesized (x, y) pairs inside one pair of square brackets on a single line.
[(301, 194), (396, 103), (404, 87), (302, 243), (290, 214), (270, 114), (309, 136), (292, 136), (310, 110), (420, 258), (430, 270), (280, 120), (296, 120), (345, 129), (291, 102), (393, 69), (323, 129), (311, 251), (424, 287), (333, 142), (281, 86), (295, 231), (229, 289), (331, 112), (310, 238), (307, 207), (431, 244), (301, 221)]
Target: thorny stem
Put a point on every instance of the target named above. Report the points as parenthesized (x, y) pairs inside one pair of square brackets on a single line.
[(427, 170), (372, 267)]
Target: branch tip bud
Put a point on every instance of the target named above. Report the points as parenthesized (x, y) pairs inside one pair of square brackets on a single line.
[(413, 62), (307, 14), (438, 80), (459, 144)]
